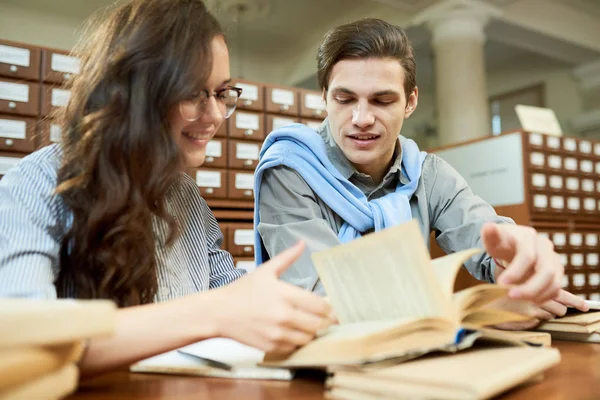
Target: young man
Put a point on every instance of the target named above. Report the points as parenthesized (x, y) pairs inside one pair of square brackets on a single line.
[(357, 174)]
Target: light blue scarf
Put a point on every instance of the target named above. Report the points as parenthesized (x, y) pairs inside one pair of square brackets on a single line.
[(301, 148)]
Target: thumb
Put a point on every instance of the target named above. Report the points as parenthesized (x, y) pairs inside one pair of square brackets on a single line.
[(497, 241), (282, 261)]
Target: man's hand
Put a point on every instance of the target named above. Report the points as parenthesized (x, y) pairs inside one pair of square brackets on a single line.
[(534, 269)]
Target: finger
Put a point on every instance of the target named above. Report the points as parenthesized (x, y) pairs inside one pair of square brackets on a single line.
[(544, 315), (524, 260), (305, 300), (308, 322), (570, 300), (555, 308), (284, 260), (540, 288), (498, 241), (281, 336)]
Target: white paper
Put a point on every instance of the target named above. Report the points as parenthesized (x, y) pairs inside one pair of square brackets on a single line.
[(559, 239), (569, 144), (557, 202), (243, 237), (589, 204), (556, 182), (14, 55), (594, 279), (576, 239), (585, 147), (573, 184), (577, 260), (282, 96), (55, 133), (7, 163), (587, 166), (249, 92), (14, 92), (314, 101), (564, 260), (249, 266), (246, 151), (278, 122), (565, 281), (247, 121), (553, 142), (11, 129), (244, 181), (214, 148), (573, 203), (598, 167), (211, 179), (60, 97), (579, 280), (592, 259), (538, 180), (540, 201), (571, 164), (538, 119), (62, 63), (554, 162), (591, 240), (537, 159), (587, 185)]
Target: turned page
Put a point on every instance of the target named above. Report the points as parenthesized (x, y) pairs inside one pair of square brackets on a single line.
[(385, 275), (446, 268)]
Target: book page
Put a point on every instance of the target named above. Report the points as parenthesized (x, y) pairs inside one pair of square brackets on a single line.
[(385, 275), (446, 268)]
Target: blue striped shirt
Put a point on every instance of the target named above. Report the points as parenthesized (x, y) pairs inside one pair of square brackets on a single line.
[(34, 221)]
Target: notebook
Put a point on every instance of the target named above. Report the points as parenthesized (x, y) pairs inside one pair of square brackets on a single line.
[(200, 359)]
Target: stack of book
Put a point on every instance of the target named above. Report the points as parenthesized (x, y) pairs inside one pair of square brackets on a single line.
[(42, 341)]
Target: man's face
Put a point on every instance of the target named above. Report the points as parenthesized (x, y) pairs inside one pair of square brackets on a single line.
[(366, 106)]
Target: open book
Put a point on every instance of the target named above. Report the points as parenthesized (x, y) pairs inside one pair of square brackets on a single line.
[(394, 303), (575, 326)]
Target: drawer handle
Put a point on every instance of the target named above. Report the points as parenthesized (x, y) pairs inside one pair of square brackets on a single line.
[(248, 193), (248, 132), (9, 142), (209, 190), (247, 102), (13, 68), (248, 162), (248, 249), (12, 104), (210, 159), (285, 107)]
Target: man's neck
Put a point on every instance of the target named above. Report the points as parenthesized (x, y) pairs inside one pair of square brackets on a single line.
[(376, 172)]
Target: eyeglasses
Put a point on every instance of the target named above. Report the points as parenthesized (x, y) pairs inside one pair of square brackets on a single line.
[(226, 98)]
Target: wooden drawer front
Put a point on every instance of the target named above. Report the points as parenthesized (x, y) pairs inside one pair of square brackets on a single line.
[(212, 182), (7, 161), (19, 98), (19, 61), (281, 100), (241, 185), (247, 125), (58, 66), (241, 239), (243, 154), (246, 263), (53, 98), (50, 132), (252, 95), (312, 104), (273, 122), (17, 133), (216, 154)]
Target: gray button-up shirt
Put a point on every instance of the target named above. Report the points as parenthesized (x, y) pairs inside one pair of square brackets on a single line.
[(443, 202)]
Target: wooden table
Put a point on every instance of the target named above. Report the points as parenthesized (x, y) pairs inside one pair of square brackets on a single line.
[(576, 377)]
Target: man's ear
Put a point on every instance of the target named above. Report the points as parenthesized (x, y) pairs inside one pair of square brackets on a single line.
[(412, 102)]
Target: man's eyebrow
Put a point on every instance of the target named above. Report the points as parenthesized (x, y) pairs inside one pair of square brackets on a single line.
[(385, 93), (343, 90)]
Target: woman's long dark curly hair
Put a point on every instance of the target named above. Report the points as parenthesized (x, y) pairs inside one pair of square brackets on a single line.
[(137, 63)]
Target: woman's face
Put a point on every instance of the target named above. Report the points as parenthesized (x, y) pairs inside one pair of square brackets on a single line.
[(192, 136)]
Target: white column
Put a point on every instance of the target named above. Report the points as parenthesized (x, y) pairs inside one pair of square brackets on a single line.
[(457, 27)]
